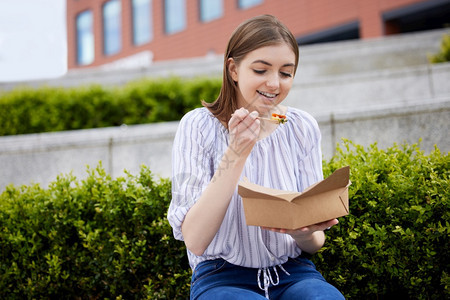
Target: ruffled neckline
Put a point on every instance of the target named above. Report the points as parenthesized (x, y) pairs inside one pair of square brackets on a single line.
[(271, 136)]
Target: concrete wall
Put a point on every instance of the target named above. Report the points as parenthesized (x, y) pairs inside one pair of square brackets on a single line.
[(317, 62), (372, 90), (41, 157), (428, 123), (401, 101)]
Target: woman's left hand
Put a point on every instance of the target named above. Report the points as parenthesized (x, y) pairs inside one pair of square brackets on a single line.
[(307, 231)]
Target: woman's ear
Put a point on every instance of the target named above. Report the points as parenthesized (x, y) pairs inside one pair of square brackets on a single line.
[(232, 69)]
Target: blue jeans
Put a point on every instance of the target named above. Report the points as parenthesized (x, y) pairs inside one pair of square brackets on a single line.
[(218, 279)]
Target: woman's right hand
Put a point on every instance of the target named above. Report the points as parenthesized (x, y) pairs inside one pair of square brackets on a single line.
[(244, 130)]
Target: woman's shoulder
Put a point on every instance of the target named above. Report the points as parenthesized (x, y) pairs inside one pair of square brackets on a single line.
[(196, 113), (200, 124), (303, 128), (198, 117), (300, 117), (198, 127)]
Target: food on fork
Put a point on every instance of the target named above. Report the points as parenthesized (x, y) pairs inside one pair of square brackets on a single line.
[(281, 119), (275, 118)]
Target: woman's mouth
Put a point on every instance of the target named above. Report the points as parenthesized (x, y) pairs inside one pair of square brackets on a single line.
[(267, 95)]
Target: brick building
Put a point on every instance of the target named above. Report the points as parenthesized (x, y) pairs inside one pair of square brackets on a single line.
[(101, 32)]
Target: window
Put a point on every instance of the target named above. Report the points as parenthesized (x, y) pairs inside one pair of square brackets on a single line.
[(210, 10), (112, 35), (85, 38), (142, 21), (424, 15), (248, 3), (349, 31), (175, 15)]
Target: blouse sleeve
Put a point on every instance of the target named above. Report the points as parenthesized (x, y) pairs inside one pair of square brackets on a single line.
[(191, 168), (310, 158)]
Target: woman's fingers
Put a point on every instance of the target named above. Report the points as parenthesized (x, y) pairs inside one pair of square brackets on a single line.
[(252, 123), (320, 226), (243, 116), (307, 229), (244, 130), (237, 117), (244, 124)]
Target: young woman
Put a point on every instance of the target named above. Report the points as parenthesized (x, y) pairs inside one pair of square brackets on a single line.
[(220, 143)]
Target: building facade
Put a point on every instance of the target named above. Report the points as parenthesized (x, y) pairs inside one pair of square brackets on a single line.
[(102, 32)]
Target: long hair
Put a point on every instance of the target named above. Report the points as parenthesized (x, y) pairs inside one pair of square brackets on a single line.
[(257, 32)]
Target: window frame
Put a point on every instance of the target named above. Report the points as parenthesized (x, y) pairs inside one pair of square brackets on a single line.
[(85, 56), (167, 27), (206, 19), (106, 35), (243, 4), (140, 39)]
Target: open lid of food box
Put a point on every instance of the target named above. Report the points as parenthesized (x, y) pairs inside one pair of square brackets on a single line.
[(325, 200)]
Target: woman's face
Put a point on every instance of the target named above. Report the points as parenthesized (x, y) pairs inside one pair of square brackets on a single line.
[(264, 77)]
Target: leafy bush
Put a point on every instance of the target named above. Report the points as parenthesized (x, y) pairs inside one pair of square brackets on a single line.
[(394, 244), (109, 238), (47, 109), (99, 238), (444, 54)]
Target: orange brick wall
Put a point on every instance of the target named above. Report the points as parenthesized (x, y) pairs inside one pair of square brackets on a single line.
[(301, 16)]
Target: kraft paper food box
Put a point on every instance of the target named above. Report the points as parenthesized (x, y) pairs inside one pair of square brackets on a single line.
[(325, 200)]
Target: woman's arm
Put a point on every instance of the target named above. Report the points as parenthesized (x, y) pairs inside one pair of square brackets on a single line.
[(310, 238), (204, 218)]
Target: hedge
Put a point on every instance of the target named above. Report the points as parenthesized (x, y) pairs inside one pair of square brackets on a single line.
[(395, 242), (45, 109), (96, 238), (105, 238), (443, 55)]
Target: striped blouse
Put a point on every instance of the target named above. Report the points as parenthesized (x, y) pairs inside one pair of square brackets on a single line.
[(288, 159)]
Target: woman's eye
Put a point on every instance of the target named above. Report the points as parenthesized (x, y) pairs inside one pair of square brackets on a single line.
[(259, 71), (284, 74)]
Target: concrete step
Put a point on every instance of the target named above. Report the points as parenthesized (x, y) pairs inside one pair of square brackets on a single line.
[(369, 55), (39, 158), (368, 90), (316, 62)]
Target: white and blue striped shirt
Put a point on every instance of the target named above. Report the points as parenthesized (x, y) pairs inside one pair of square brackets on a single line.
[(288, 159)]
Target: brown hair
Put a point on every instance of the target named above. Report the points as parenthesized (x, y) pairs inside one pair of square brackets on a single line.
[(257, 32)]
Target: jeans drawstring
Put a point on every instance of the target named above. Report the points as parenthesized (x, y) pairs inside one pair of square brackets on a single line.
[(267, 278)]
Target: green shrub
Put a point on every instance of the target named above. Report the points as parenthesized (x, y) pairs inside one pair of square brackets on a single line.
[(444, 52), (99, 238), (47, 109), (394, 244), (103, 238)]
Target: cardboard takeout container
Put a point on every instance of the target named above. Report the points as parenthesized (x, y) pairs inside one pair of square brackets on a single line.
[(325, 200)]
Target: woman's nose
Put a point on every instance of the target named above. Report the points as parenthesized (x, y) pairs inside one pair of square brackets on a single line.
[(273, 82)]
